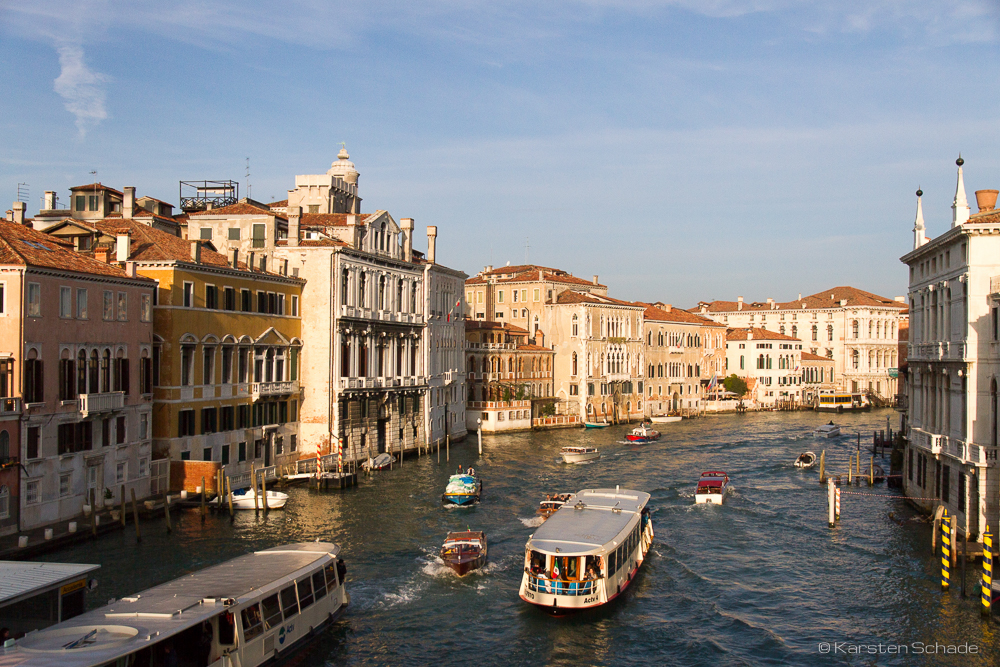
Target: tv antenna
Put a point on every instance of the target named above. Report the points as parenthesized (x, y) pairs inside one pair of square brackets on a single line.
[(22, 192), (526, 249), (248, 178)]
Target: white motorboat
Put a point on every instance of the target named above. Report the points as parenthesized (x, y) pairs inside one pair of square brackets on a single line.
[(712, 488), (667, 419), (830, 430), (380, 462), (805, 460), (248, 499), (579, 454)]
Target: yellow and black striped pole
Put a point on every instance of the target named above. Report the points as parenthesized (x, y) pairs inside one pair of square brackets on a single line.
[(987, 572), (945, 551)]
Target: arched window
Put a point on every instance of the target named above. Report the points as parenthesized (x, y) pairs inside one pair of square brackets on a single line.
[(855, 358), (362, 286), (472, 364), (399, 295), (855, 329), (345, 278), (81, 372), (815, 332), (760, 361), (781, 329), (574, 364), (795, 331), (381, 293), (829, 332), (510, 365)]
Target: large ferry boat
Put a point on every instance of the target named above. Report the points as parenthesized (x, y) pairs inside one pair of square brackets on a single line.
[(241, 613), (589, 551)]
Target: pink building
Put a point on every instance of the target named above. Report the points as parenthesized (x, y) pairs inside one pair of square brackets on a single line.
[(76, 355)]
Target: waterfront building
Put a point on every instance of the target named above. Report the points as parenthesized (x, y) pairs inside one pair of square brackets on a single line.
[(444, 347), (683, 352), (76, 350), (954, 363), (509, 377), (817, 376), (773, 360), (857, 329), (10, 451)]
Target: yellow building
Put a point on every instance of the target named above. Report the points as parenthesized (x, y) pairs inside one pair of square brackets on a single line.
[(227, 348)]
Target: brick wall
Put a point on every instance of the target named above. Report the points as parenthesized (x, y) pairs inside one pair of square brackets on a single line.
[(186, 475)]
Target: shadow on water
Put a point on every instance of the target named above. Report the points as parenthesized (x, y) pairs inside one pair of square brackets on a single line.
[(760, 580)]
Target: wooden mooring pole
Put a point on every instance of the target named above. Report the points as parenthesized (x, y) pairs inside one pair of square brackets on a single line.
[(166, 512), (204, 492), (93, 512), (263, 493), (945, 551), (135, 517), (229, 496), (822, 466), (987, 584)]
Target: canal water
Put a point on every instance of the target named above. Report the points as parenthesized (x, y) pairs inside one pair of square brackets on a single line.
[(760, 580)]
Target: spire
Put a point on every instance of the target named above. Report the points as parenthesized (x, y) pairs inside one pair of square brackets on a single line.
[(919, 238), (960, 207)]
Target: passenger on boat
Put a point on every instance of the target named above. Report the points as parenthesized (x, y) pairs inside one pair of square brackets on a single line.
[(471, 472), (459, 469)]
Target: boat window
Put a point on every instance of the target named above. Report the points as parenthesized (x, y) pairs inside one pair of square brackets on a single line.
[(289, 603), (331, 577), (319, 585), (272, 612), (253, 626), (536, 562), (612, 562), (305, 592), (568, 567), (227, 629)]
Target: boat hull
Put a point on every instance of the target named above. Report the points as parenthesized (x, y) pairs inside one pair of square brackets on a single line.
[(709, 498), (580, 458), (463, 498), (834, 433), (664, 420), (593, 425), (462, 566), (639, 439)]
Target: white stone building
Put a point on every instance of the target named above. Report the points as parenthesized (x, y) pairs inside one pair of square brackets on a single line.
[(954, 363), (773, 362)]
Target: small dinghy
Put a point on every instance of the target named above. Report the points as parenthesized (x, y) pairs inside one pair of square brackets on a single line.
[(805, 460), (247, 499), (551, 504), (464, 551), (830, 430), (380, 462), (643, 434), (579, 454), (596, 424), (463, 489)]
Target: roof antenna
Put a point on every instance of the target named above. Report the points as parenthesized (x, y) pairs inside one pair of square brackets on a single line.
[(248, 178), (526, 248)]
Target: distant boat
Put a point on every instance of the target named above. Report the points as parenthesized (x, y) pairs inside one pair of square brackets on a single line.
[(463, 489), (667, 419), (380, 462), (579, 454), (551, 504), (805, 460), (643, 434), (465, 551), (830, 430), (712, 488), (596, 424)]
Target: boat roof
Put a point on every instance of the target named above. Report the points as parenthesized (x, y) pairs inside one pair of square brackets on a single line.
[(156, 613), (711, 482), (578, 448), (590, 528), (20, 580), (465, 535), (714, 473)]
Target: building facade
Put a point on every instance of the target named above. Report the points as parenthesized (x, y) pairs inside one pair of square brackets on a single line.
[(772, 360), (817, 376), (444, 348), (954, 363)]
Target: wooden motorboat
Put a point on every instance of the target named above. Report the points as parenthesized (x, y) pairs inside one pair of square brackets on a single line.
[(380, 462), (666, 419), (596, 424), (248, 499), (551, 504), (712, 488), (830, 430), (642, 434), (805, 460), (579, 454), (463, 489), (464, 551)]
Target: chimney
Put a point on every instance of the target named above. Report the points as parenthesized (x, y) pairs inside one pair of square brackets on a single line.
[(196, 252), (987, 199), (739, 303), (539, 338), (130, 269), (102, 253), (843, 302), (352, 222), (234, 257), (432, 233), (284, 267), (209, 206), (122, 247), (263, 263), (541, 276), (18, 212), (770, 302), (595, 279), (50, 200), (489, 268), (128, 202), (294, 214), (667, 307), (250, 259), (406, 224), (10, 215)]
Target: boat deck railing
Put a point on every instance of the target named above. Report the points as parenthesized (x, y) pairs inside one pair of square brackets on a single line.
[(557, 587)]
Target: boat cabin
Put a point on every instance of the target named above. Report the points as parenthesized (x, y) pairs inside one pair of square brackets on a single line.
[(36, 595)]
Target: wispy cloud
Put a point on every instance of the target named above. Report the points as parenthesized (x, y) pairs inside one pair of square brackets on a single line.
[(81, 88)]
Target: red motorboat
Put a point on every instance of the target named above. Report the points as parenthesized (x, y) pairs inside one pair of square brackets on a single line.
[(642, 434), (464, 551)]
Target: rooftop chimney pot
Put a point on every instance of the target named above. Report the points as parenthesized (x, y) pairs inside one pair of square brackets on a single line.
[(406, 224), (122, 247), (196, 251), (432, 233), (294, 217), (987, 199), (234, 257), (128, 202), (18, 212)]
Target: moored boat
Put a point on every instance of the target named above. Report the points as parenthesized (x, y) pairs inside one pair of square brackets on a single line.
[(248, 499), (551, 504), (589, 551), (805, 460), (463, 489), (712, 488), (643, 433), (246, 611), (666, 419), (830, 430), (380, 462), (596, 424), (464, 551), (579, 454)]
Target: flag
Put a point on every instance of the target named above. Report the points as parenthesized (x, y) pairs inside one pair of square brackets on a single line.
[(458, 304), (713, 382)]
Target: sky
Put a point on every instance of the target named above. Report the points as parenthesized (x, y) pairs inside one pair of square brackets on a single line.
[(681, 150)]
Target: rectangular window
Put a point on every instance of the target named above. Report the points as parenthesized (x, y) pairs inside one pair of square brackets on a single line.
[(242, 416), (80, 203), (230, 298), (185, 422), (31, 448), (206, 454), (205, 233), (293, 442), (228, 418), (92, 202), (109, 305), (281, 305), (211, 297), (143, 466), (242, 451), (234, 233), (146, 308), (261, 302), (65, 481), (946, 484), (34, 381), (34, 300), (272, 303), (188, 295), (66, 302), (499, 296), (208, 361), (225, 455), (209, 420), (122, 306), (120, 431), (258, 236), (961, 491), (31, 493), (295, 306), (143, 428), (121, 472), (245, 304)]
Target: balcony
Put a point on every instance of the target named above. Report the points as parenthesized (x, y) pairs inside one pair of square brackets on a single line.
[(265, 389), (928, 441), (939, 351), (380, 315), (10, 406), (675, 349), (379, 383), (491, 346), (106, 402)]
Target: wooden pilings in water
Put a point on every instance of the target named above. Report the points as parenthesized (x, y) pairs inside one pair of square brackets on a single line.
[(822, 466), (135, 517)]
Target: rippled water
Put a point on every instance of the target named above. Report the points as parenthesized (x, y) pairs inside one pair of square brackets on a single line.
[(760, 580)]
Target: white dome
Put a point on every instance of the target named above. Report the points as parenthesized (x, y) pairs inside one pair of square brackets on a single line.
[(343, 168)]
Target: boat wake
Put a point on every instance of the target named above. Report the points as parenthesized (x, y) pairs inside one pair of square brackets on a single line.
[(533, 522)]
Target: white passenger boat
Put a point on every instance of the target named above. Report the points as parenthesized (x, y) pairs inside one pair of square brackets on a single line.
[(667, 419), (241, 613), (712, 488), (247, 499), (579, 454), (589, 551), (830, 430)]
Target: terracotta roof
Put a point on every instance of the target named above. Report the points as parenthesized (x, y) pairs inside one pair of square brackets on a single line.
[(315, 243), (758, 334), (530, 274), (676, 315), (96, 186), (985, 217), (153, 245), (531, 347), (22, 246), (809, 356), (332, 219), (830, 298), (572, 296), (521, 268), (158, 201), (492, 325), (282, 203), (241, 208)]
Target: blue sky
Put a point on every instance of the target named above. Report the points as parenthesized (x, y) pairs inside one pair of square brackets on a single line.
[(681, 150)]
